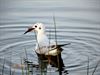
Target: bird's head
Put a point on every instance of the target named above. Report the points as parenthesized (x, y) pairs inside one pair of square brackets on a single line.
[(37, 27)]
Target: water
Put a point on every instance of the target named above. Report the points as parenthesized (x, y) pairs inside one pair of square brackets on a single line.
[(78, 22)]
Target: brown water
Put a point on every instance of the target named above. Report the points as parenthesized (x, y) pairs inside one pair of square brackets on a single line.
[(78, 22)]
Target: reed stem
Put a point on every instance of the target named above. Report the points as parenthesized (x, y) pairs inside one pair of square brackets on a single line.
[(88, 66), (55, 29), (60, 73), (26, 58), (22, 66), (95, 67), (3, 67), (11, 64)]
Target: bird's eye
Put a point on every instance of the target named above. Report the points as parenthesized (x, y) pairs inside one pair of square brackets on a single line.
[(35, 26), (39, 27)]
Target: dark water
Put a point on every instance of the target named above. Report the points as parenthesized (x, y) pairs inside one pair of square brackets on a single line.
[(78, 22)]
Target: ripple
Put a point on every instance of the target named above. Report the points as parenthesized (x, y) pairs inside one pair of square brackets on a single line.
[(8, 47), (76, 24)]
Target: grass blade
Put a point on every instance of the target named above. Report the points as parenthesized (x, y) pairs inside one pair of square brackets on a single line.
[(55, 29), (26, 56), (11, 64), (3, 67), (95, 67), (22, 66), (60, 73), (88, 66)]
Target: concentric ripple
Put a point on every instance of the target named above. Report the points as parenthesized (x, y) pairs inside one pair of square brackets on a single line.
[(78, 23)]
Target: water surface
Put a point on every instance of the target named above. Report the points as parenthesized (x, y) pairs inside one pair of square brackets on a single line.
[(78, 22)]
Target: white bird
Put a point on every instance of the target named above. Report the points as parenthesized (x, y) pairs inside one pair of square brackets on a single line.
[(46, 48)]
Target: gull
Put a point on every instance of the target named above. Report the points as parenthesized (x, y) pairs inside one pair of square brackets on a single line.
[(47, 49)]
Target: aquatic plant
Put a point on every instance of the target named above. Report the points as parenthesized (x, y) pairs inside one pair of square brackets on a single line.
[(59, 69), (88, 66), (94, 67), (22, 66), (3, 67)]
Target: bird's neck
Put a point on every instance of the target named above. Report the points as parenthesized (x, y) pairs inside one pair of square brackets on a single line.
[(41, 36)]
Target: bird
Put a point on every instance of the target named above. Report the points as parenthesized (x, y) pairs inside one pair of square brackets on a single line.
[(47, 50)]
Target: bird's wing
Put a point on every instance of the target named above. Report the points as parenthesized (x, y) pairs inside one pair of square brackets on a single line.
[(58, 46), (61, 45)]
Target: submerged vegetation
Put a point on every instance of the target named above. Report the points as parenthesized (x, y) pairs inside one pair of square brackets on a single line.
[(27, 68)]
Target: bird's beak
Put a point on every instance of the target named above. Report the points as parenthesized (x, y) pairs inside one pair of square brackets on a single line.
[(29, 30)]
